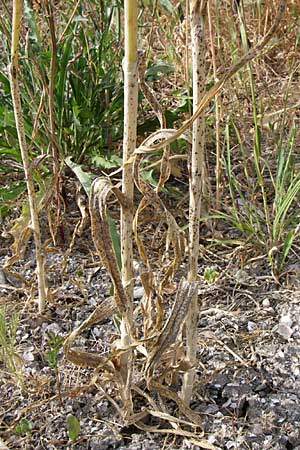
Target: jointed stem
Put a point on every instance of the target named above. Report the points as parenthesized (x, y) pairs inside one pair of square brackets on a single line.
[(13, 73)]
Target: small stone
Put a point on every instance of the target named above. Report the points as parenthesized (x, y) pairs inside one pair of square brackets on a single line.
[(61, 312), (284, 327), (97, 332), (2, 277), (241, 276), (53, 328), (138, 292), (251, 326), (211, 409), (266, 303), (92, 301), (28, 356), (286, 319), (257, 429), (230, 444), (285, 331)]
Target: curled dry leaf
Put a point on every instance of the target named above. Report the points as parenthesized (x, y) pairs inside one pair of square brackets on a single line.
[(21, 230), (101, 189), (81, 358), (168, 335)]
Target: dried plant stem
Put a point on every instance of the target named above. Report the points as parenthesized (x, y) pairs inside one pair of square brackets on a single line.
[(218, 169), (129, 145), (187, 55), (196, 174), (54, 146), (51, 23), (13, 73), (216, 88)]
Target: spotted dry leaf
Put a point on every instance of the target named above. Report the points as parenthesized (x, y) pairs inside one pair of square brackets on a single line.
[(168, 335), (82, 358), (100, 190)]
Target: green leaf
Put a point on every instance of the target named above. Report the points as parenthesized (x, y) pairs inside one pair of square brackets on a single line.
[(85, 178), (288, 242), (11, 192), (147, 175), (73, 427), (55, 343), (210, 274), (23, 426), (12, 152), (158, 70), (106, 161), (3, 212), (5, 83), (115, 237), (168, 6), (283, 208)]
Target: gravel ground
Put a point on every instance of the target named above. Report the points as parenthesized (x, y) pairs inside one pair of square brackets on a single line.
[(248, 378)]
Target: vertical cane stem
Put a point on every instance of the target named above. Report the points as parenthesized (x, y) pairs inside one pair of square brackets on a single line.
[(218, 168), (14, 84), (129, 145), (196, 174)]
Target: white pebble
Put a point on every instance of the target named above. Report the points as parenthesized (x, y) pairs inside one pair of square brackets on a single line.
[(266, 303)]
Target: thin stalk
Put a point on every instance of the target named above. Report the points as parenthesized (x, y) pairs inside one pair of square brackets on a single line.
[(196, 174), (55, 157), (129, 145), (68, 24), (14, 83), (218, 169), (186, 55), (54, 147)]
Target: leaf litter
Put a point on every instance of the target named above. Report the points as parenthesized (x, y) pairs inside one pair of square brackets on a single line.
[(248, 374)]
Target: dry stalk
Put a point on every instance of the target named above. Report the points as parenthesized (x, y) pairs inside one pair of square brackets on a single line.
[(157, 108), (51, 23), (14, 83), (196, 182), (129, 139), (129, 145), (218, 169), (148, 145)]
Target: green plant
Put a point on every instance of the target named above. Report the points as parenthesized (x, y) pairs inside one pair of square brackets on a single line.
[(261, 201), (210, 274), (8, 351), (73, 427), (86, 110), (88, 93), (55, 343), (24, 426), (260, 206)]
